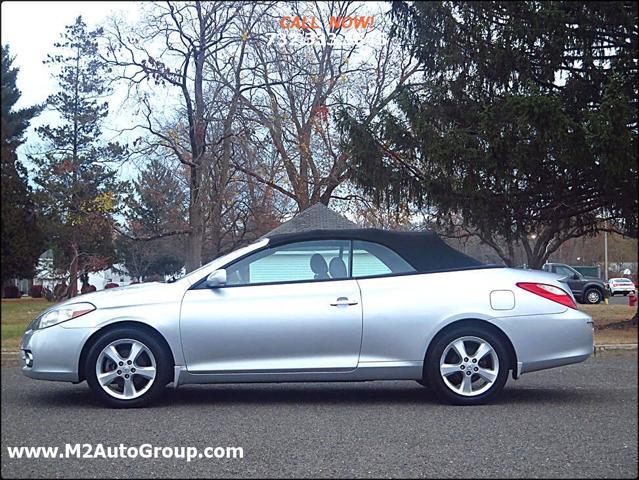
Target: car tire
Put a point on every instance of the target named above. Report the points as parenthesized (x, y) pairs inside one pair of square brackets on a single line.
[(151, 357), (497, 363), (593, 296)]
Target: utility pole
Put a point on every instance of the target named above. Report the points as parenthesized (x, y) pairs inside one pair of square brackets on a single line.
[(606, 255)]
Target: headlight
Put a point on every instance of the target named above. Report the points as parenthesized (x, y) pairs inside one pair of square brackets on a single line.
[(62, 314)]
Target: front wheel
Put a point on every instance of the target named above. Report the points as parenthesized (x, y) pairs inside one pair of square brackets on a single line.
[(467, 366), (127, 367)]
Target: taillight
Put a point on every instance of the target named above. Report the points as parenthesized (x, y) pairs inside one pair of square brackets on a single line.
[(550, 292)]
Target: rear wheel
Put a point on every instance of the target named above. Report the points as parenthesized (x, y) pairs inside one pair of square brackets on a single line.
[(127, 367), (467, 366), (593, 296)]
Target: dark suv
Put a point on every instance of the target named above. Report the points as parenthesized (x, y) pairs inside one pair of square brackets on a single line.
[(585, 289)]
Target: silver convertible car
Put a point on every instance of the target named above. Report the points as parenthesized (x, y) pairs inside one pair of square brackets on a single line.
[(343, 305)]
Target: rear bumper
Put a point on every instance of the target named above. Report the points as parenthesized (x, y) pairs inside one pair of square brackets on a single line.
[(547, 341), (621, 290)]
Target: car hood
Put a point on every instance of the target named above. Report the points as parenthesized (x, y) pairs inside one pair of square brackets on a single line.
[(138, 294), (594, 279)]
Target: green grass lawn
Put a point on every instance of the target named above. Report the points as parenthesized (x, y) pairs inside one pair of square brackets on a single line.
[(16, 315)]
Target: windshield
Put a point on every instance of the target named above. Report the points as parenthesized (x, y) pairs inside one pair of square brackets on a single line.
[(224, 259)]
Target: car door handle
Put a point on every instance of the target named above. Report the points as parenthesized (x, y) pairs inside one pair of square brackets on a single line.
[(343, 301)]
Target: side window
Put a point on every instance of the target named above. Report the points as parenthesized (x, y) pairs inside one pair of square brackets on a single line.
[(370, 259), (302, 261), (564, 271)]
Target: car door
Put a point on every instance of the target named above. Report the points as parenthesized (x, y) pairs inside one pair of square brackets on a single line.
[(576, 285), (284, 309), (393, 303)]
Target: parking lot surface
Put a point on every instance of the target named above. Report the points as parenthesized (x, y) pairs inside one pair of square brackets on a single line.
[(574, 421)]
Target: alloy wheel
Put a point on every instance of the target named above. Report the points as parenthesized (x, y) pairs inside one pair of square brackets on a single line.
[(469, 366), (126, 369), (593, 296)]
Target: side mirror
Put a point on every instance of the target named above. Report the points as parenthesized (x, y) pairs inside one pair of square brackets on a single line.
[(216, 279), (576, 276)]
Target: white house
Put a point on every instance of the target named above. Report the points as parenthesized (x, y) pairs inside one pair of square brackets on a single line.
[(48, 277)]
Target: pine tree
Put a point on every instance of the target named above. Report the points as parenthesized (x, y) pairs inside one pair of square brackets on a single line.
[(523, 127), (78, 189), (22, 241), (160, 205)]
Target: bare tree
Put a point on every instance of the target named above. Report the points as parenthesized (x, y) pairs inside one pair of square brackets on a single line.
[(234, 200), (252, 123), (293, 91), (169, 49)]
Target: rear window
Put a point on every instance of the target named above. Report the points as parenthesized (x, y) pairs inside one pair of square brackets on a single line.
[(621, 280), (372, 259)]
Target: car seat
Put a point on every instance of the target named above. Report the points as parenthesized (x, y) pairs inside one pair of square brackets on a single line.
[(337, 268), (319, 267)]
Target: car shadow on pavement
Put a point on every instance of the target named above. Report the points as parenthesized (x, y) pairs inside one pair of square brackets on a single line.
[(551, 396), (329, 395), (314, 394), (317, 394)]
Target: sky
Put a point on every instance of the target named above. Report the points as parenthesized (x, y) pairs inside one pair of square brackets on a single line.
[(30, 29)]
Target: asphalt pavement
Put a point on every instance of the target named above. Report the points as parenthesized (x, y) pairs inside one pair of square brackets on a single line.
[(618, 300), (574, 421)]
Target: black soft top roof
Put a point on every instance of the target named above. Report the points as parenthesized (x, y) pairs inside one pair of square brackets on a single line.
[(425, 251)]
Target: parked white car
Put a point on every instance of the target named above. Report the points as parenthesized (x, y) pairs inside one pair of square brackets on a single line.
[(621, 285)]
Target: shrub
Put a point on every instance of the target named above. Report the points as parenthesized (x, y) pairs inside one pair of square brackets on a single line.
[(48, 294), (11, 291), (87, 288), (60, 291), (111, 285), (154, 278), (35, 291)]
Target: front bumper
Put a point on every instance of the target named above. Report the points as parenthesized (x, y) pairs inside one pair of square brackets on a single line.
[(547, 341), (53, 353)]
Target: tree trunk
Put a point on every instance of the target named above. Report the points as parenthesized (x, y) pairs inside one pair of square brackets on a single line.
[(222, 167), (72, 291), (194, 241), (73, 273), (197, 136), (535, 262), (194, 250)]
